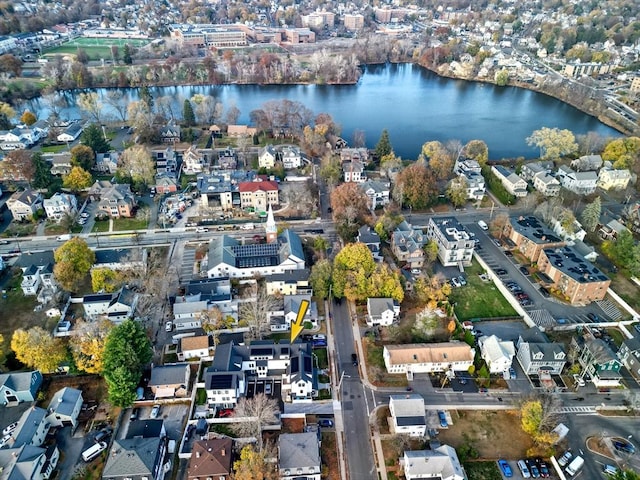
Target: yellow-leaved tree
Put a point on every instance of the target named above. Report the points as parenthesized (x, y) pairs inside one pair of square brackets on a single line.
[(73, 259), (88, 346), (105, 279), (77, 179), (253, 466), (37, 348)]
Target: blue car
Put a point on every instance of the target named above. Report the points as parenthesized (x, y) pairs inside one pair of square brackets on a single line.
[(443, 419), (505, 468)]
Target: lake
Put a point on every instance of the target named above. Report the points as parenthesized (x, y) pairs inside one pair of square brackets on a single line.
[(412, 103)]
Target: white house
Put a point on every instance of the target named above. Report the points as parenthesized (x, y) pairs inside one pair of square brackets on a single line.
[(441, 463), (610, 179), (428, 357), (267, 157), (281, 320), (71, 133), (291, 157), (24, 204), (353, 171), (382, 311), (116, 307), (497, 354), (408, 415), (546, 184), (64, 408), (193, 161), (59, 205), (582, 183), (198, 346), (512, 183), (378, 192), (454, 241)]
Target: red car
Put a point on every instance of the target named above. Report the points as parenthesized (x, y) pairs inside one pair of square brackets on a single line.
[(225, 412)]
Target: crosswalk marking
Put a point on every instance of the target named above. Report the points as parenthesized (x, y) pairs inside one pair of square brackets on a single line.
[(542, 318), (610, 309), (576, 410)]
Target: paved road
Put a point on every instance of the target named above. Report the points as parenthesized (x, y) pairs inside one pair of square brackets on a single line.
[(355, 399)]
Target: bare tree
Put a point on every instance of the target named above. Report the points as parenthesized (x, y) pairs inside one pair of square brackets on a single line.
[(254, 311), (115, 99), (253, 414)]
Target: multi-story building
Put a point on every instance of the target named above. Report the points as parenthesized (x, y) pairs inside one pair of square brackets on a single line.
[(610, 179), (408, 414), (455, 244), (407, 244), (319, 20), (193, 161), (353, 21), (24, 204), (208, 35), (600, 363), (428, 357), (59, 205), (267, 157), (582, 183), (353, 171), (512, 183), (536, 354), (299, 456), (531, 236), (259, 194), (117, 201), (576, 278)]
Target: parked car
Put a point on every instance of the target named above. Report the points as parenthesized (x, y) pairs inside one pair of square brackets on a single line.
[(565, 458), (544, 291), (155, 411), (10, 428), (455, 282), (512, 373), (325, 422), (168, 326), (134, 414), (508, 253), (103, 434), (462, 280), (626, 447), (268, 388), (443, 419), (497, 242), (505, 468), (524, 470), (593, 317), (225, 412), (500, 271), (533, 468), (354, 359), (542, 466), (524, 270)]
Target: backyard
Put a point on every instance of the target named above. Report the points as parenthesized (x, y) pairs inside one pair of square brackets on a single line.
[(479, 299)]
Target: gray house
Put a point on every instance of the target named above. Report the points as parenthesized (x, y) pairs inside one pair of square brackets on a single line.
[(19, 387), (169, 381), (32, 428), (65, 407), (135, 459), (629, 355), (536, 353), (299, 456)]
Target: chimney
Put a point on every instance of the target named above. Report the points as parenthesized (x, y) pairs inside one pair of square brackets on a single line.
[(198, 454), (223, 452)]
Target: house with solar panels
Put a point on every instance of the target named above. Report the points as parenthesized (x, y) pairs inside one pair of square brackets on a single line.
[(233, 258), (288, 368)]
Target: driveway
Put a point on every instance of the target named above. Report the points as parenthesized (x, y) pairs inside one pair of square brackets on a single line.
[(70, 448)]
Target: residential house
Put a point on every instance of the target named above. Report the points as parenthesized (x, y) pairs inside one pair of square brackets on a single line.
[(536, 354), (407, 245), (382, 311), (377, 191), (200, 296), (441, 463), (353, 171), (371, 239), (291, 282), (37, 272), (455, 243), (259, 194), (354, 154), (600, 363), (116, 307), (218, 191), (107, 162), (193, 161), (24, 204), (428, 357), (60, 163), (472, 173), (166, 160), (136, 459), (228, 257), (267, 157), (629, 355), (611, 229), (587, 163), (498, 354), (170, 133), (408, 415), (60, 205), (32, 428), (28, 462), (170, 381), (165, 183), (121, 259), (71, 133), (291, 157), (234, 366), (211, 458), (299, 456), (282, 318), (581, 183), (512, 183), (196, 347), (117, 201), (546, 184), (147, 428), (241, 131), (531, 169), (227, 159), (530, 236), (64, 408), (17, 387), (610, 179), (572, 275)]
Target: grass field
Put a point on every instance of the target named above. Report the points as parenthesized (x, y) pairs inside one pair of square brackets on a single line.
[(96, 48), (479, 299)]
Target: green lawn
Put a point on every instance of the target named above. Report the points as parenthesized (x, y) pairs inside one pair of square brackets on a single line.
[(482, 470), (479, 299), (321, 355), (123, 224), (96, 48), (54, 148), (102, 226)]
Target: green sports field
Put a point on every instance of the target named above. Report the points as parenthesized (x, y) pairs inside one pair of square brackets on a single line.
[(96, 48)]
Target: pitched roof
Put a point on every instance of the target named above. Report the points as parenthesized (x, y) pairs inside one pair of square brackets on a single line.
[(442, 462), (132, 457), (494, 349), (262, 186), (210, 458), (298, 450), (195, 343), (64, 401), (17, 381), (430, 353), (168, 374)]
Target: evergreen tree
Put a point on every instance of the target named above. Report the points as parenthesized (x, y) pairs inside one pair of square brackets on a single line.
[(383, 147), (94, 137), (126, 55), (146, 97), (42, 178), (187, 114)]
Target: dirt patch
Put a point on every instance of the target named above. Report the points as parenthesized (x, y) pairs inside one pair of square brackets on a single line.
[(329, 453), (598, 445), (492, 434), (293, 425)]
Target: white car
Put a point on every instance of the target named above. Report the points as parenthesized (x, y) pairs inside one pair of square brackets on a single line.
[(168, 326), (10, 428), (155, 411), (202, 230), (84, 215)]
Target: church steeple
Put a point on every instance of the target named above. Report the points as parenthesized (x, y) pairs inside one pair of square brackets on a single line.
[(270, 227)]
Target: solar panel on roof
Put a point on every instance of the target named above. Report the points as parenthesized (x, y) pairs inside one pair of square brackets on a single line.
[(221, 381)]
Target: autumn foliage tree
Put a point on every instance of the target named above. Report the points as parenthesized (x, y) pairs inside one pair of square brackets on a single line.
[(88, 347), (78, 179), (538, 419), (106, 280), (82, 156), (553, 142), (252, 465), (476, 150), (73, 259), (17, 165), (37, 348), (440, 159), (416, 186), (350, 209), (28, 118), (622, 152)]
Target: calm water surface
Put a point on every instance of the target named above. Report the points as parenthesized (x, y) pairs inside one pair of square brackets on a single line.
[(414, 104)]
